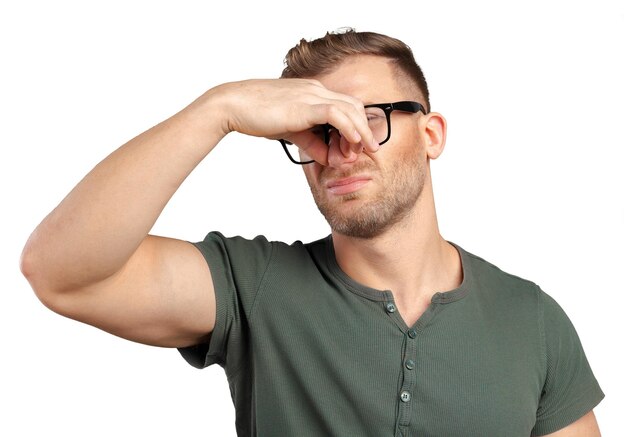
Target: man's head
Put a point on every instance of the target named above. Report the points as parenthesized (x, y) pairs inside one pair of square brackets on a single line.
[(320, 56), (367, 197)]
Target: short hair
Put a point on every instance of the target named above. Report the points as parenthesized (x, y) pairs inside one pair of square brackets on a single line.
[(320, 56)]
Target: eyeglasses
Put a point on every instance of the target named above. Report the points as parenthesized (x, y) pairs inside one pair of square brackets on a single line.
[(378, 119)]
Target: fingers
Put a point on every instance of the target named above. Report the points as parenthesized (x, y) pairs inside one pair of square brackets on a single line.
[(348, 117), (350, 151), (311, 147), (350, 136), (335, 154), (288, 109), (340, 152), (343, 112)]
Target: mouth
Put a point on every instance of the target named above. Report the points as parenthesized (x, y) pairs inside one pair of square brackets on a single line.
[(347, 185)]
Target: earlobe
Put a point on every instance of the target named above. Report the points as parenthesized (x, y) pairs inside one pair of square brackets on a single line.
[(435, 130)]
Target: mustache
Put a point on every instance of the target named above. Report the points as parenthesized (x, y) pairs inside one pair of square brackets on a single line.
[(329, 173)]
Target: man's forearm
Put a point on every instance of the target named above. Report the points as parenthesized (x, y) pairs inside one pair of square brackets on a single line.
[(102, 221)]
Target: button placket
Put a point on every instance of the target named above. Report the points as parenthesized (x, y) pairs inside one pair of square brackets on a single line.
[(408, 365)]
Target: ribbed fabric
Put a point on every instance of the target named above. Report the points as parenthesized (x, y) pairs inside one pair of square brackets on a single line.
[(309, 352)]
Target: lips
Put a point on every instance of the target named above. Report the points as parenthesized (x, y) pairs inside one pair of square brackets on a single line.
[(347, 185)]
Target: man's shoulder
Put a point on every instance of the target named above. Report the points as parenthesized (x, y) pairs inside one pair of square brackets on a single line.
[(245, 241), (487, 277), (260, 245)]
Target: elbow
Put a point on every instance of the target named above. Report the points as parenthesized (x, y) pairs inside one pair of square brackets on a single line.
[(27, 261), (32, 268), (28, 265)]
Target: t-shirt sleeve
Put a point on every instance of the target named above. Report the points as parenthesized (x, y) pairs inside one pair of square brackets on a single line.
[(237, 268), (570, 389)]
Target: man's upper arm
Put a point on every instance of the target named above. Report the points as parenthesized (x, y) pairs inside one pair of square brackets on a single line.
[(586, 426), (570, 389), (163, 296)]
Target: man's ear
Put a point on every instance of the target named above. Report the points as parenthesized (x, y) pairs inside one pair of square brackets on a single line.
[(434, 129)]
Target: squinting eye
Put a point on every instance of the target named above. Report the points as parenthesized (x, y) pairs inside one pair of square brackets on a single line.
[(374, 114)]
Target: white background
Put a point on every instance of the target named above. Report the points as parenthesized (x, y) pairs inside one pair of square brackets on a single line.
[(531, 179)]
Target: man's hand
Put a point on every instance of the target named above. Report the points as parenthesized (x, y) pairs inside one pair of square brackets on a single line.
[(287, 109)]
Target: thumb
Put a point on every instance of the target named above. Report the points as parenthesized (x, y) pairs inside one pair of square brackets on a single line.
[(311, 147)]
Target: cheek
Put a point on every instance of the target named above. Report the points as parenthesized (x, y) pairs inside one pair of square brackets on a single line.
[(414, 149), (410, 161), (311, 173), (406, 136), (401, 154)]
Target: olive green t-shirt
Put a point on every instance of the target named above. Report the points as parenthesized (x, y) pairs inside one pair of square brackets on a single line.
[(310, 352)]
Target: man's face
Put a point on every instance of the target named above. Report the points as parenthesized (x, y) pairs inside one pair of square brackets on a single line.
[(366, 197)]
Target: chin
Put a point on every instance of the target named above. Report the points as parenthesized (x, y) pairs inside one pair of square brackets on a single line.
[(366, 222)]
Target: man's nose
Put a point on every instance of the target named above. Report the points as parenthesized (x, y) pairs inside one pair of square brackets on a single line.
[(340, 151)]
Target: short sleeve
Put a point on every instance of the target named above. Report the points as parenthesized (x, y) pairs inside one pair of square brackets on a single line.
[(570, 388), (237, 268)]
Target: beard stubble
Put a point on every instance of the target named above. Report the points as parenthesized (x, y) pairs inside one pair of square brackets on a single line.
[(354, 215)]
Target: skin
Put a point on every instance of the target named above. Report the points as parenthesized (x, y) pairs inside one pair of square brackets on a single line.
[(92, 259), (399, 171)]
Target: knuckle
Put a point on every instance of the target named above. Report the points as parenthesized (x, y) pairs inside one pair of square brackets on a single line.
[(332, 111)]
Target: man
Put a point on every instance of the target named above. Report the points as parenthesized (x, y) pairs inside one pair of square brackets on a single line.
[(382, 328)]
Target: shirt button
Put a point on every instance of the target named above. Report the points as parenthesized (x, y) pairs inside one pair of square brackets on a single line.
[(405, 396), (412, 333), (390, 307), (410, 364)]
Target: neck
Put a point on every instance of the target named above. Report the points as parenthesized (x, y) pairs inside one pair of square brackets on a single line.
[(411, 258)]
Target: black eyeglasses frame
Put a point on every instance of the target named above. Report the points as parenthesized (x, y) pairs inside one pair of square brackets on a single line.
[(388, 108)]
